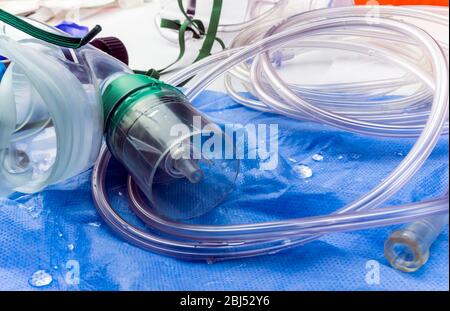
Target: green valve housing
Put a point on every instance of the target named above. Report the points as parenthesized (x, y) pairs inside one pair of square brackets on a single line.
[(165, 144)]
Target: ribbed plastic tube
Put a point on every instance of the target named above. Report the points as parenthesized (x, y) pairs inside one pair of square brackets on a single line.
[(198, 242), (77, 127), (52, 102)]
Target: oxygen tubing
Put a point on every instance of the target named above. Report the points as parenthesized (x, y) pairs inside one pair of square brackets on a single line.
[(196, 242), (403, 116)]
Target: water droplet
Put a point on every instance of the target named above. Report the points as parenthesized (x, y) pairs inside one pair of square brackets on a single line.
[(223, 165), (71, 247), (292, 160), (210, 261), (400, 154), (304, 171), (56, 267), (340, 157), (41, 278), (34, 211), (318, 157), (356, 156), (95, 224), (60, 234), (120, 194), (42, 165)]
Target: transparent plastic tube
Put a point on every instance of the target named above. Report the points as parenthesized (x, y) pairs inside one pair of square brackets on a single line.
[(428, 137), (237, 241), (327, 105)]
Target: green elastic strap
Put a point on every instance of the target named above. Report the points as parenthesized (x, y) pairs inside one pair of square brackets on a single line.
[(176, 25), (181, 40), (198, 29), (211, 35), (50, 37)]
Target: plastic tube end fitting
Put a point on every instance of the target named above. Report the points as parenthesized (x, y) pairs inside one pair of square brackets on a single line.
[(405, 251), (408, 249)]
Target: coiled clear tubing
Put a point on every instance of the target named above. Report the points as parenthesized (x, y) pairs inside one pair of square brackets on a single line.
[(372, 109), (322, 103)]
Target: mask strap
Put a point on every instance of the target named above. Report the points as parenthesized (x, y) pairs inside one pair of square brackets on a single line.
[(50, 37)]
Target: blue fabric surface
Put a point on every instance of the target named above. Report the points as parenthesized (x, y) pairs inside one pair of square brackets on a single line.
[(47, 230)]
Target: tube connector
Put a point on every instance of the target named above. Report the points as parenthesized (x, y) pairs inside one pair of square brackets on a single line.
[(190, 170), (408, 249)]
